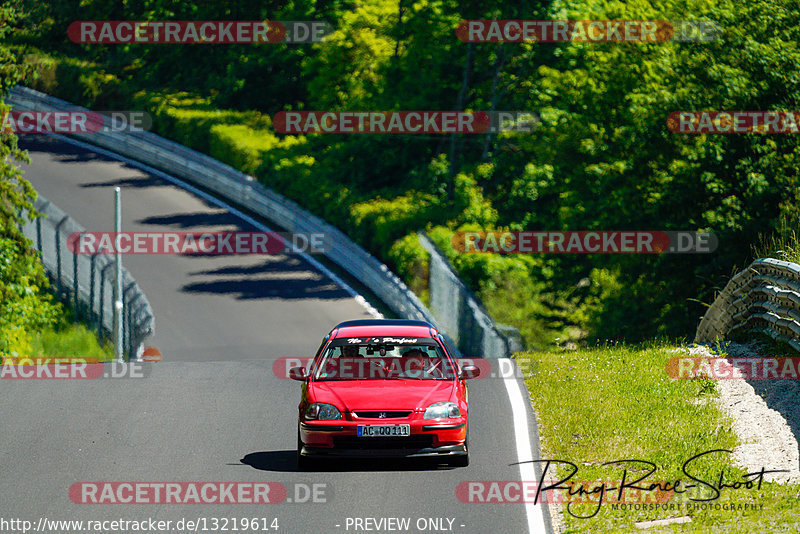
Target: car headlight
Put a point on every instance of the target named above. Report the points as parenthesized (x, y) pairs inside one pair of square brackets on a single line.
[(442, 410), (323, 412)]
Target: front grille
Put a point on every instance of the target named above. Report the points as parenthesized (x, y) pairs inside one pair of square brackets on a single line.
[(372, 414), (409, 442)]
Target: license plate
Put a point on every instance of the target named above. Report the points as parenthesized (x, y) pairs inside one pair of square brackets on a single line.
[(382, 431)]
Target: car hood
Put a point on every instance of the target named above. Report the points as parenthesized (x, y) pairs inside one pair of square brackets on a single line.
[(382, 394)]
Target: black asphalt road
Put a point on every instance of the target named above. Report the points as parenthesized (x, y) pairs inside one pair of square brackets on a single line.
[(213, 410)]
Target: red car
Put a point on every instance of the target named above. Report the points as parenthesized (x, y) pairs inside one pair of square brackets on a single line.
[(383, 388)]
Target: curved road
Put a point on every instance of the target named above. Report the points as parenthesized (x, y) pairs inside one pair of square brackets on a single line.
[(213, 410)]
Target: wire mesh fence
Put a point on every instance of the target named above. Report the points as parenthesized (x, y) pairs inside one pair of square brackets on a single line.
[(461, 313), (86, 281)]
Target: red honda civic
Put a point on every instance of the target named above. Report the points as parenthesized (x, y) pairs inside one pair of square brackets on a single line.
[(383, 388)]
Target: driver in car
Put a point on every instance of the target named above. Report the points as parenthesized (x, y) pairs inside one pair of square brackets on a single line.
[(350, 351), (414, 363)]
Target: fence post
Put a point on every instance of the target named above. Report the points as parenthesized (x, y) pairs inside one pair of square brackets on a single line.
[(130, 326), (102, 294), (39, 236), (75, 286), (43, 207), (126, 333), (118, 296), (58, 253), (91, 287)]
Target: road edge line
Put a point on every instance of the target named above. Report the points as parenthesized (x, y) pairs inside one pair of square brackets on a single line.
[(522, 438)]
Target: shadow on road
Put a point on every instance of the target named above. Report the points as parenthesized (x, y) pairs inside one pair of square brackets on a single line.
[(64, 152), (272, 265), (135, 183), (202, 218), (293, 289), (286, 461)]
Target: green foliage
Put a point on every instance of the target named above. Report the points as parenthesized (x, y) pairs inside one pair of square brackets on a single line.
[(412, 262), (240, 146), (291, 169), (189, 119), (470, 206), (85, 84), (25, 304), (379, 222), (601, 158)]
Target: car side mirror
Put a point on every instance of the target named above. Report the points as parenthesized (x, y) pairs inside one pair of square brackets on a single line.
[(298, 373), (469, 371)]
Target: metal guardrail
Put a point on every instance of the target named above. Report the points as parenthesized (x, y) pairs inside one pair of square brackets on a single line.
[(243, 190), (765, 297), (460, 311), (87, 281)]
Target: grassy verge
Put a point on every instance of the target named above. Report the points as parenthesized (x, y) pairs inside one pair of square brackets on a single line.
[(71, 341), (609, 403)]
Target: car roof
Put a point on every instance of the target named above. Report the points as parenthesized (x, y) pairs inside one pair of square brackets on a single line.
[(383, 327)]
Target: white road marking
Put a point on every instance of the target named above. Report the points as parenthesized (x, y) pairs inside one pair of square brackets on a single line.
[(519, 413)]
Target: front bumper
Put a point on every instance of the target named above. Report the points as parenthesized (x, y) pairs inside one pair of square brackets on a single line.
[(426, 452), (339, 439)]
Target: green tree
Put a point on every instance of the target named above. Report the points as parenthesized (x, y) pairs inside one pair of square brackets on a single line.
[(24, 301)]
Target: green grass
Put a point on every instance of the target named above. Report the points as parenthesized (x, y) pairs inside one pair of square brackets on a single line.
[(616, 402), (71, 341), (783, 244)]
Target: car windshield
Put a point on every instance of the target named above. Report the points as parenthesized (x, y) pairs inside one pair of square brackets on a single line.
[(384, 362)]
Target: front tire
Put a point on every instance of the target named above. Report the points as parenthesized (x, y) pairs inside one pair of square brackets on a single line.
[(462, 460), (304, 463)]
